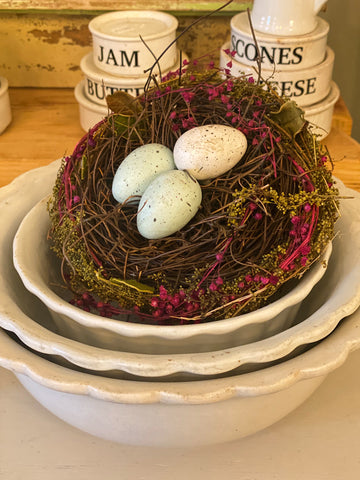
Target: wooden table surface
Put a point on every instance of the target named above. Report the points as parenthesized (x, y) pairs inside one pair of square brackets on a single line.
[(46, 126)]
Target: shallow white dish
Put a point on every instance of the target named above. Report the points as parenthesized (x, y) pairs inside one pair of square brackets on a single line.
[(288, 52), (99, 84), (305, 86), (40, 273), (5, 107), (179, 414), (320, 114), (127, 42)]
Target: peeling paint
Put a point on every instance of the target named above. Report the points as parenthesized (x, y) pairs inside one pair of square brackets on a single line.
[(74, 68), (46, 36), (48, 68), (79, 36)]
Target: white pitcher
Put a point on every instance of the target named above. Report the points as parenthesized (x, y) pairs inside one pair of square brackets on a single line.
[(285, 17)]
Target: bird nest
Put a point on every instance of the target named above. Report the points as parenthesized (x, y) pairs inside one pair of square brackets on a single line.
[(260, 224)]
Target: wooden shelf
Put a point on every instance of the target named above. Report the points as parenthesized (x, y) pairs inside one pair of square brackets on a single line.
[(46, 126)]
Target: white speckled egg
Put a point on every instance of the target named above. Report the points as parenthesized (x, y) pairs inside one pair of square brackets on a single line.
[(139, 168), (209, 151), (168, 204)]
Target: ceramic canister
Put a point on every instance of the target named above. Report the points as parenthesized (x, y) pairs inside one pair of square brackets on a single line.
[(304, 86), (90, 113), (128, 42), (320, 114), (5, 108), (99, 84), (286, 53)]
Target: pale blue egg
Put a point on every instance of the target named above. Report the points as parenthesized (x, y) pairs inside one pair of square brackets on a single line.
[(139, 168), (168, 204)]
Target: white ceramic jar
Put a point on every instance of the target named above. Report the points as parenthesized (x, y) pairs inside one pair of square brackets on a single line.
[(5, 109), (90, 113), (285, 17), (126, 42), (99, 84), (286, 53), (320, 114), (306, 86)]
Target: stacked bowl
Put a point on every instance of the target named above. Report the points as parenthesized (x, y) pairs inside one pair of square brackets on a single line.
[(294, 58), (143, 382), (125, 47), (165, 386)]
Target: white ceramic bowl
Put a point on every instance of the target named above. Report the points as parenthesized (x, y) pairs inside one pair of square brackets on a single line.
[(27, 317), (320, 114), (127, 42), (38, 331), (41, 275), (99, 84), (90, 113), (337, 295), (147, 413), (305, 86), (285, 53), (179, 414), (5, 108)]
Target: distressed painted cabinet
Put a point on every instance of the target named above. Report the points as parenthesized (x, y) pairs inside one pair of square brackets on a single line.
[(43, 41)]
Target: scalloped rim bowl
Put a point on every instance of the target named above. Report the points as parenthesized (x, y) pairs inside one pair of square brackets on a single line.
[(34, 262), (139, 413), (337, 295), (179, 414)]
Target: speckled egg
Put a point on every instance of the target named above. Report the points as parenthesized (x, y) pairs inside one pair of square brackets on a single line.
[(139, 168), (209, 151), (168, 204)]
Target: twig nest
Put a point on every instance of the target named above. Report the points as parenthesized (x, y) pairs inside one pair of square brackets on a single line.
[(208, 151), (192, 250), (168, 204)]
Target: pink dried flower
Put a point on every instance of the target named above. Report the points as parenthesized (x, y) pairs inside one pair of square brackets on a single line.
[(273, 279), (303, 261)]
